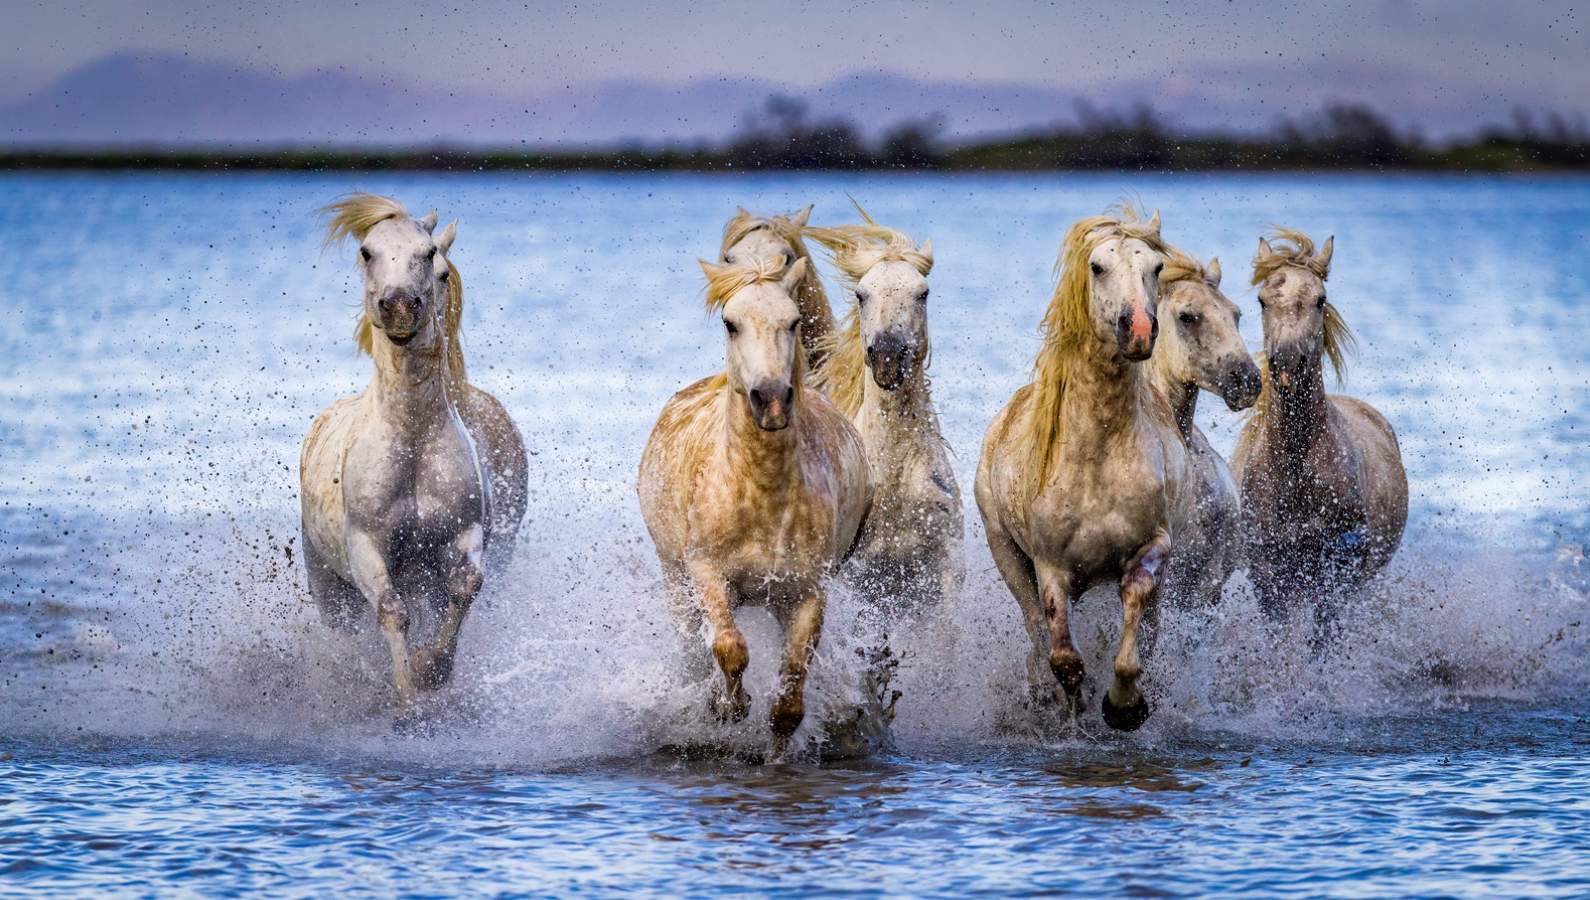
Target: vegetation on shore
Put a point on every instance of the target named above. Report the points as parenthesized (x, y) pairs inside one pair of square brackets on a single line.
[(1339, 137)]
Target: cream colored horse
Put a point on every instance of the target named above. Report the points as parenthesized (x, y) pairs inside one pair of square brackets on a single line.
[(1323, 489), (1200, 348), (753, 488), (875, 370), (750, 240), (1084, 471), (407, 486)]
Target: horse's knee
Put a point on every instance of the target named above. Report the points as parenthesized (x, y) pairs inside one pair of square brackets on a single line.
[(465, 582), (731, 652)]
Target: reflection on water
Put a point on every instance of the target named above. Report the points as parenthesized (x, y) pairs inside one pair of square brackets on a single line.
[(171, 710)]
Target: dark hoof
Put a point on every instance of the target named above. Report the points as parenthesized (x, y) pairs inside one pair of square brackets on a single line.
[(726, 709), (1125, 718)]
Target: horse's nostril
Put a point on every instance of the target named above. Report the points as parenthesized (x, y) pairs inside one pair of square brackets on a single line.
[(1153, 326), (757, 398), (789, 395)]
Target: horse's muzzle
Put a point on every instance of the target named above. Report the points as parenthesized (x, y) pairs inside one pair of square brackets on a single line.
[(1241, 384), (1136, 331), (400, 315), (891, 359), (771, 404)]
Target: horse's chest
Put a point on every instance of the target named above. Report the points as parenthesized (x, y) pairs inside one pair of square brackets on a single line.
[(422, 488), (1089, 518), (764, 534)]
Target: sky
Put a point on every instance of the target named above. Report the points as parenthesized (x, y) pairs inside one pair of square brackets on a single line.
[(1529, 53)]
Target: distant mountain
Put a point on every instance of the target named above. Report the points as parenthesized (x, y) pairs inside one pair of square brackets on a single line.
[(131, 99)]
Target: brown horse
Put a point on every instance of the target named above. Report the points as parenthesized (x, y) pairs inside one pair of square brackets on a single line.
[(1083, 472), (1324, 493), (753, 488), (750, 240)]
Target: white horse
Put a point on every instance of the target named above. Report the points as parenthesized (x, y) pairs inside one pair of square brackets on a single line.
[(751, 240), (406, 486), (1200, 348), (875, 370), (753, 487)]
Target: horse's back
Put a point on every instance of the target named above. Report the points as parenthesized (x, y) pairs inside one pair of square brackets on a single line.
[(502, 454)]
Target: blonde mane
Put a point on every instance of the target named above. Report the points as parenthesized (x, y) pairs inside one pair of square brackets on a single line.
[(1291, 247), (854, 250), (809, 294), (1067, 339), (1181, 267), (352, 217)]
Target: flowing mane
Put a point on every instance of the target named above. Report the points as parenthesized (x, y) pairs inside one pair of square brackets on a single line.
[(1291, 247), (723, 282), (854, 250), (1067, 339), (809, 295), (1181, 267), (352, 217)]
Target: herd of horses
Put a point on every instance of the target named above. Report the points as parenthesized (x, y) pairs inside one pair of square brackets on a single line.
[(816, 453)]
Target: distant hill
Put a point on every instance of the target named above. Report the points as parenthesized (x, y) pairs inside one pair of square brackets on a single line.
[(129, 99)]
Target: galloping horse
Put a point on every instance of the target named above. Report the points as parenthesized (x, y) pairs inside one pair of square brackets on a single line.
[(753, 488), (1324, 493), (1200, 348), (752, 240), (1084, 471), (875, 370), (408, 486)]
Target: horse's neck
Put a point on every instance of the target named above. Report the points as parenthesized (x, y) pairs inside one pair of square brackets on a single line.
[(410, 385), (896, 421), (1298, 416), (1104, 399), (767, 458)]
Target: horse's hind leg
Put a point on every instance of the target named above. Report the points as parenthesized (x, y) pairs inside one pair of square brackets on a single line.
[(433, 665), (1020, 575), (1124, 706), (803, 626)]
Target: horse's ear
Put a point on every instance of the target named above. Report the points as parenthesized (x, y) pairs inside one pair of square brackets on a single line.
[(1213, 271), (1153, 223), (428, 221), (444, 241), (792, 278), (1264, 249), (927, 250), (801, 217), (1323, 257)]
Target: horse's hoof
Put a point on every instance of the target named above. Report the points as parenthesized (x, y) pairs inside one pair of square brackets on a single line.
[(1125, 718), (727, 710), (431, 668), (409, 723)]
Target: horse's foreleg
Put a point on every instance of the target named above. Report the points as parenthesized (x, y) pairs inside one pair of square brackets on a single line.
[(728, 645), (803, 626), (391, 614), (433, 665), (1020, 576), (1124, 706), (1056, 590)]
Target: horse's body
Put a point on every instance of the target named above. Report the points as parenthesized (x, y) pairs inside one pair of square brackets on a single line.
[(1200, 348), (875, 371), (751, 240), (1324, 493), (1083, 472), (753, 488), (407, 486)]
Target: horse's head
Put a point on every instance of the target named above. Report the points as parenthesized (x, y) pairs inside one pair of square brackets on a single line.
[(1202, 345), (1123, 287), (405, 273), (750, 240), (891, 304), (761, 324), (1299, 323)]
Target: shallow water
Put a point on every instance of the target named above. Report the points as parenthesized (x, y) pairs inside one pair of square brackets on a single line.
[(171, 708)]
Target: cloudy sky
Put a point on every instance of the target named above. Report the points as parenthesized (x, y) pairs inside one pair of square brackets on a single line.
[(1486, 55)]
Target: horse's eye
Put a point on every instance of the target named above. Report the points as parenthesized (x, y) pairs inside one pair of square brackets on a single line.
[(364, 254), (1188, 318), (1097, 269), (443, 275), (730, 325), (788, 259), (1320, 301), (1158, 269), (922, 297), (794, 325), (431, 255), (861, 298)]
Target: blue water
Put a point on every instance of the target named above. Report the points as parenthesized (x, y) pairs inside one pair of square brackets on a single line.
[(173, 715)]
